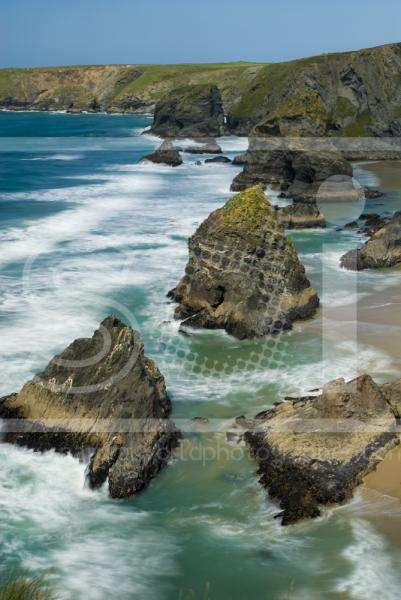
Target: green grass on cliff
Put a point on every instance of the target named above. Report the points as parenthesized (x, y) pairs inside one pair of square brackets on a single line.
[(159, 79)]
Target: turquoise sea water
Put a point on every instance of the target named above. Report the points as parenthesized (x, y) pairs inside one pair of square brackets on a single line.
[(86, 230)]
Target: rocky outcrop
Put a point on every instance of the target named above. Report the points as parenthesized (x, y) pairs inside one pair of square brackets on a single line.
[(382, 250), (243, 274), (368, 223), (301, 215), (314, 451), (218, 159), (288, 166), (100, 393), (194, 111), (210, 147), (166, 154)]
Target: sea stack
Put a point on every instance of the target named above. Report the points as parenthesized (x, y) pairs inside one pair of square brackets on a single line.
[(314, 451), (166, 154), (102, 394), (243, 274), (382, 250)]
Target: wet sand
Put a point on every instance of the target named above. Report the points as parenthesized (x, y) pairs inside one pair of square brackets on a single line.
[(379, 324), (387, 477)]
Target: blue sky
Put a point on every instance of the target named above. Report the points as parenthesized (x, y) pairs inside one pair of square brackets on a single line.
[(60, 32)]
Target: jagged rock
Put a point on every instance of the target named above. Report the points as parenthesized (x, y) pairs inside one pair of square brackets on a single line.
[(100, 393), (166, 154), (301, 215), (368, 223), (243, 274), (392, 393), (194, 111), (383, 249), (298, 171), (218, 159), (207, 148), (316, 450)]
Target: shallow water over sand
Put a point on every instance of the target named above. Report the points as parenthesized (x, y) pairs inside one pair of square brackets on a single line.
[(85, 230)]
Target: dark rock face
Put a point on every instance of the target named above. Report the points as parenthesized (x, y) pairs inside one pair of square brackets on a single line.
[(218, 159), (314, 451), (382, 250), (207, 148), (243, 274), (298, 171), (100, 393), (301, 215), (194, 111), (166, 154)]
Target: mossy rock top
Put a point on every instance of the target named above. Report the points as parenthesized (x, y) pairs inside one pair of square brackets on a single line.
[(249, 209)]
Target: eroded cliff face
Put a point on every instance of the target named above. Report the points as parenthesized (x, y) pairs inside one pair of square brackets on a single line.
[(314, 451), (349, 94), (243, 275), (100, 393), (193, 111)]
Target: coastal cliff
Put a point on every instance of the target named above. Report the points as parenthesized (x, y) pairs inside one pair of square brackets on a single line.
[(350, 94)]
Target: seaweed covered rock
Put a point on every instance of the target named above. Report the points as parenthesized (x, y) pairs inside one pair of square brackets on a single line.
[(314, 451), (243, 274), (301, 215), (166, 154), (194, 111), (382, 250), (100, 393)]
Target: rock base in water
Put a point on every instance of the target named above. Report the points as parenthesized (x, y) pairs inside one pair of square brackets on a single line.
[(301, 215), (166, 154), (314, 451), (104, 394), (193, 111)]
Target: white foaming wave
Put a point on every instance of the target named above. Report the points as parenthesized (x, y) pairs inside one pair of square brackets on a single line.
[(66, 157), (95, 204), (375, 573), (92, 546), (345, 360)]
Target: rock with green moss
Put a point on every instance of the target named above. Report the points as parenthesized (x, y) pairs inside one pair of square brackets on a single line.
[(382, 250), (243, 275), (193, 111)]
